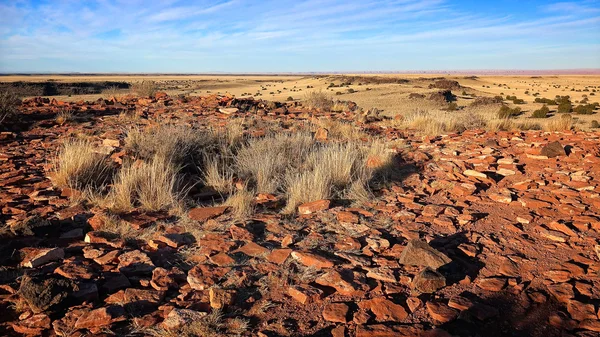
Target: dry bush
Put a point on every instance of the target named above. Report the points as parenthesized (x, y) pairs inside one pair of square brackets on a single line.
[(9, 103), (318, 100), (340, 130), (182, 146), (64, 116), (565, 122), (112, 91), (340, 106), (79, 166), (307, 186), (145, 88), (218, 174), (264, 161), (152, 186), (241, 203), (340, 160)]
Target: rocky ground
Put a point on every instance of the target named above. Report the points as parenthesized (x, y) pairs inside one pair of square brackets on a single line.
[(483, 234)]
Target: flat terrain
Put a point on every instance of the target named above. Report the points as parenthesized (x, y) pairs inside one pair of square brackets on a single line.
[(389, 93), (212, 215)]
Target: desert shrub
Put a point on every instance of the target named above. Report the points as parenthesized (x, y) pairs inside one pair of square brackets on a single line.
[(290, 99), (541, 112), (506, 112), (350, 91), (241, 203), (145, 88), (481, 101), (64, 116), (595, 124), (79, 166), (563, 123), (587, 109), (151, 185), (545, 101), (518, 101), (445, 84), (452, 106), (564, 107), (318, 100), (264, 161), (9, 103), (112, 91), (414, 95)]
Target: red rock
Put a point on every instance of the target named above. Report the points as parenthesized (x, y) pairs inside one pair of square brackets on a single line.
[(178, 318), (492, 284), (101, 317), (384, 309), (305, 294), (347, 217), (381, 330), (41, 256), (104, 238), (580, 311), (203, 214), (33, 325), (440, 312), (419, 253), (312, 260), (279, 256), (202, 276), (222, 260), (253, 249), (134, 263), (336, 312), (313, 206), (220, 298), (346, 282)]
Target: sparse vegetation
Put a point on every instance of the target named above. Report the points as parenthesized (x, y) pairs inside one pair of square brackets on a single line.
[(9, 103), (145, 88), (541, 112), (506, 112), (317, 100), (79, 166)]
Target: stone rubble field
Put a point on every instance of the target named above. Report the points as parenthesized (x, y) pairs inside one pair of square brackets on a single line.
[(479, 234)]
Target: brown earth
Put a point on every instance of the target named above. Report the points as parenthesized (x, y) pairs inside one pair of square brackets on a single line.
[(481, 234)]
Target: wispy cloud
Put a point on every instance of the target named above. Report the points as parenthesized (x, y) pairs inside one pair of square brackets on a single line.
[(272, 35)]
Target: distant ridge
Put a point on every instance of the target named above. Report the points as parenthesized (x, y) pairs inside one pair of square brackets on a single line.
[(407, 72)]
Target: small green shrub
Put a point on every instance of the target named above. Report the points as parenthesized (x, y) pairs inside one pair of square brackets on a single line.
[(506, 112), (587, 109), (595, 124), (541, 112), (564, 107)]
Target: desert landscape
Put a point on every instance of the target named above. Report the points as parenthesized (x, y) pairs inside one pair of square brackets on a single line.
[(325, 205), (306, 168)]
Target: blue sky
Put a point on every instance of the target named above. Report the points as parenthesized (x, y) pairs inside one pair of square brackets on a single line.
[(296, 36)]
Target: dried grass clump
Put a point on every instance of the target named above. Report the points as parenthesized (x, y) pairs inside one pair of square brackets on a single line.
[(145, 88), (9, 103), (340, 130), (152, 186), (112, 91), (264, 161), (318, 100), (565, 122), (307, 186), (241, 203), (79, 166), (64, 116)]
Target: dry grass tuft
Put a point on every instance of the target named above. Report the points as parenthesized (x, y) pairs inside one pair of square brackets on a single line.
[(318, 100), (264, 161), (145, 88), (339, 130), (78, 166), (64, 116), (307, 186), (218, 175), (152, 185), (241, 203), (565, 122), (9, 103)]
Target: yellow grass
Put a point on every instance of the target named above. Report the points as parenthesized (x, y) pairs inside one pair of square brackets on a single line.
[(79, 166)]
